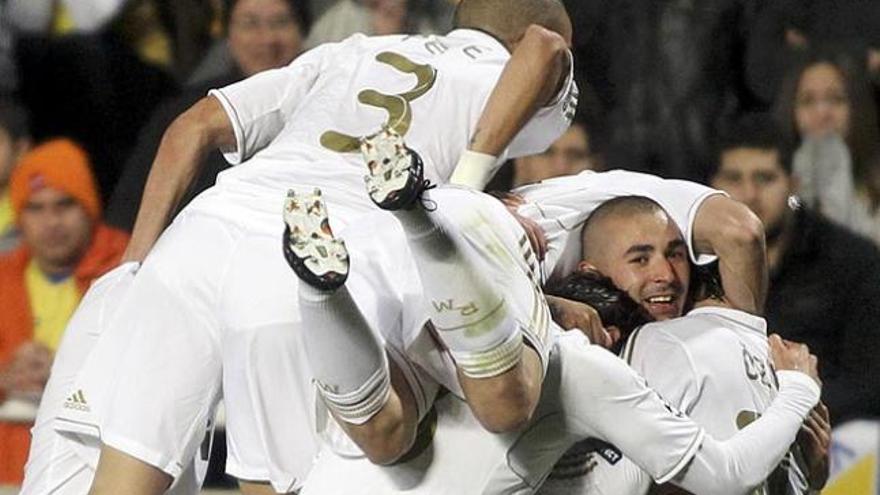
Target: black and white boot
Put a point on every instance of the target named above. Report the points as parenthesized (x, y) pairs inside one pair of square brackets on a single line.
[(395, 180), (317, 258)]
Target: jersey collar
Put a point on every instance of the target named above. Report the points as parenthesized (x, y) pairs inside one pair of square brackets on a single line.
[(750, 321), (478, 35)]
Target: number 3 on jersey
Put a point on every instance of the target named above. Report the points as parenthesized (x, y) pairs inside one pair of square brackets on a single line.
[(397, 105)]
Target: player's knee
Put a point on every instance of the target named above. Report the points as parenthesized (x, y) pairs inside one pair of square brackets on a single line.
[(506, 402), (119, 472), (386, 445), (506, 416)]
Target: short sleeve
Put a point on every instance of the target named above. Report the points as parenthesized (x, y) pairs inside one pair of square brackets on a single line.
[(259, 106), (549, 122), (562, 205)]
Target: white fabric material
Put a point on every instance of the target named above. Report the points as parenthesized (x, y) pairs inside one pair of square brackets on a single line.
[(562, 205), (466, 459), (65, 463), (824, 168), (217, 274), (348, 361), (474, 169), (713, 365), (587, 392), (744, 461), (292, 108), (467, 310)]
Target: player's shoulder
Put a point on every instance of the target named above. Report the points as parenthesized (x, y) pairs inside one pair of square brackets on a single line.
[(679, 339)]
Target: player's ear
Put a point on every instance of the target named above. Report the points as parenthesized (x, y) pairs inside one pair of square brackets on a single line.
[(585, 266)]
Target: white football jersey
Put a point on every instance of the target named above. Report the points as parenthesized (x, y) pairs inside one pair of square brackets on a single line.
[(562, 205), (713, 365), (299, 126)]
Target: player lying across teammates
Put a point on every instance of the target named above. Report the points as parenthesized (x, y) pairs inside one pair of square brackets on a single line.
[(480, 285), (213, 307)]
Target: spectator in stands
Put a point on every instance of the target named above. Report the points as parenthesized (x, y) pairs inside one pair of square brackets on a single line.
[(826, 106), (370, 17), (64, 248), (14, 142), (8, 67), (784, 29), (569, 155), (664, 74), (824, 279), (263, 34)]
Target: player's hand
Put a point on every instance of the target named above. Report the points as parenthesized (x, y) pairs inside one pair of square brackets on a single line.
[(533, 231), (787, 355), (815, 440), (29, 370), (572, 315)]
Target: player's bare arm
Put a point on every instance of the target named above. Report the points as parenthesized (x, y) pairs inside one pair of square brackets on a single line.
[(571, 315), (730, 230), (531, 79), (202, 128)]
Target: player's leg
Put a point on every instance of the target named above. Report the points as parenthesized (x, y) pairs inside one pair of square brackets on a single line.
[(55, 463), (117, 468), (270, 436), (256, 488), (370, 398), (167, 376), (472, 313)]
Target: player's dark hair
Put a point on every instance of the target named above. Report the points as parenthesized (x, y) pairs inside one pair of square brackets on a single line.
[(507, 20), (14, 118), (614, 306), (706, 283), (756, 131), (625, 206)]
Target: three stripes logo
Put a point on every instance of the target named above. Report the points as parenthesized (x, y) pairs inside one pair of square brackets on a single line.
[(77, 401)]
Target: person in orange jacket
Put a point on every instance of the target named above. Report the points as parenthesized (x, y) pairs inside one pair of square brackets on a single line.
[(64, 247)]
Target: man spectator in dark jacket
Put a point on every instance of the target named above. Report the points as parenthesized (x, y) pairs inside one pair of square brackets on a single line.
[(824, 279)]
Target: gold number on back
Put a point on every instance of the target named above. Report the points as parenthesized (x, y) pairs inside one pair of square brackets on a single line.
[(397, 105)]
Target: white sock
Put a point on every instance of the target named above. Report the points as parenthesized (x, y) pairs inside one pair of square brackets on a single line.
[(346, 358), (469, 313)]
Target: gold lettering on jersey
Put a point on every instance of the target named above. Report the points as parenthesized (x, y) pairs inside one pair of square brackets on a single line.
[(448, 305), (757, 369), (396, 105), (436, 47), (472, 51)]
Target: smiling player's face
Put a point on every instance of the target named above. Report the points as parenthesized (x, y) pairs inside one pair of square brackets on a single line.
[(646, 256)]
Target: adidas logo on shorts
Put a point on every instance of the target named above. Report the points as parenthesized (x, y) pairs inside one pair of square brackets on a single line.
[(78, 402)]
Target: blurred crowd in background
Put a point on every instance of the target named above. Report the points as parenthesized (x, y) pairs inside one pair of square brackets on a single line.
[(773, 101)]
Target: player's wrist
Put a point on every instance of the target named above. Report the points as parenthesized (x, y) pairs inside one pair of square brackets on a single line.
[(474, 169)]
